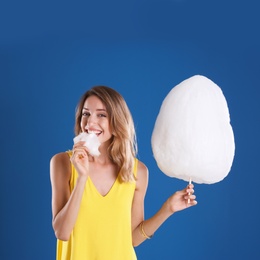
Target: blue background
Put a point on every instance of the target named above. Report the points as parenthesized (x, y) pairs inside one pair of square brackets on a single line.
[(51, 52)]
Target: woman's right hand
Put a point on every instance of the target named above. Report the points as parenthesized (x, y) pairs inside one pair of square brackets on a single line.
[(80, 158)]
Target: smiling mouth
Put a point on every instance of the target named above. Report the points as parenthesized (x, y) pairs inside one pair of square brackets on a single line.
[(97, 133)]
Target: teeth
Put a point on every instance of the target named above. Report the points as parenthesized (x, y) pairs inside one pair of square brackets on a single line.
[(93, 132)]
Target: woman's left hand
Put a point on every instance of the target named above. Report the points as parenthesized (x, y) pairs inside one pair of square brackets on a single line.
[(182, 199)]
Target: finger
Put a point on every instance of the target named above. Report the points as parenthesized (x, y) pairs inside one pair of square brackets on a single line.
[(192, 203), (80, 148), (79, 144), (190, 191), (190, 200), (79, 153), (190, 186), (190, 197)]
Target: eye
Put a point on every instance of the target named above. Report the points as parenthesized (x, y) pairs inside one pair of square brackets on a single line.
[(102, 115), (85, 114)]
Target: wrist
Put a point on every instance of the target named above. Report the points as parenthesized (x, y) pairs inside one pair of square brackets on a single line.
[(82, 179), (169, 210), (142, 231)]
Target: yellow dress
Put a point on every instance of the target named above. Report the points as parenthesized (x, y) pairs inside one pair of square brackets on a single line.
[(103, 227)]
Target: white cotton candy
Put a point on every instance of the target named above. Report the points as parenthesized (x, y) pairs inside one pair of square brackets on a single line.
[(91, 142), (192, 136)]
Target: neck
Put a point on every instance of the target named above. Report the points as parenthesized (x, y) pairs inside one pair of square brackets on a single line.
[(103, 158)]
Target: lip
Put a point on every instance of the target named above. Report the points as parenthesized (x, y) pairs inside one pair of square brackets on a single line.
[(94, 131)]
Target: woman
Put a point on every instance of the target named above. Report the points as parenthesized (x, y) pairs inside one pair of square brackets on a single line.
[(98, 202)]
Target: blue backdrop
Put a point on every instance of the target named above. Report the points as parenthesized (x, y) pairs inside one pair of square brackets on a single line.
[(51, 52)]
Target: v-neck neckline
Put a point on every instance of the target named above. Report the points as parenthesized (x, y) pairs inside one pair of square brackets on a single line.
[(97, 191)]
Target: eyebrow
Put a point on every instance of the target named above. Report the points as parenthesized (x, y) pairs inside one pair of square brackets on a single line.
[(99, 109)]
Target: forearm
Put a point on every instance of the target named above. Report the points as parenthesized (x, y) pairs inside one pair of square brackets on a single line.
[(180, 200), (150, 225), (65, 220)]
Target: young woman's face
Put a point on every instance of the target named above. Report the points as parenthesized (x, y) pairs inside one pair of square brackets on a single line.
[(95, 119)]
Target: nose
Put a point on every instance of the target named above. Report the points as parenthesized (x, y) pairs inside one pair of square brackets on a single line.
[(91, 120)]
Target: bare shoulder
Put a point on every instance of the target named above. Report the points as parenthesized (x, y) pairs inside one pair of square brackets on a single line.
[(60, 165), (142, 176), (141, 168), (60, 174), (60, 158)]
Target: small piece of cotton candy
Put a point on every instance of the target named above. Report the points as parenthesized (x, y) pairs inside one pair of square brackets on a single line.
[(192, 136), (91, 142)]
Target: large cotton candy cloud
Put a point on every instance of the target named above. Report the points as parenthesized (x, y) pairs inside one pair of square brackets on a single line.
[(192, 136)]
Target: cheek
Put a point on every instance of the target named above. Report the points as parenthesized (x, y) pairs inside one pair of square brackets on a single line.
[(106, 125), (83, 122)]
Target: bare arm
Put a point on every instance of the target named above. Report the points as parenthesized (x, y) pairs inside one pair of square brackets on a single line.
[(138, 203), (178, 201), (66, 204)]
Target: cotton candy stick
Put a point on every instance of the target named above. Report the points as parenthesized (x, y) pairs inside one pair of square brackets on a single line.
[(189, 192)]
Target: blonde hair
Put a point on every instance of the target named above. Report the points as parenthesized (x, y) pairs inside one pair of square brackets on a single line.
[(123, 147)]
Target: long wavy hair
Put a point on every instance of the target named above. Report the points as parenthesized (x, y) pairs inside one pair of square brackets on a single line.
[(123, 146)]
